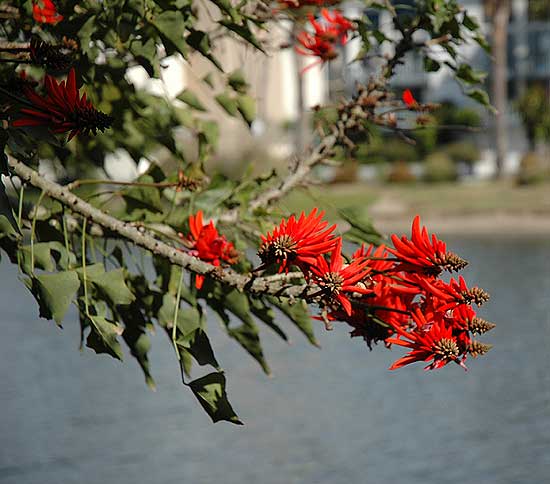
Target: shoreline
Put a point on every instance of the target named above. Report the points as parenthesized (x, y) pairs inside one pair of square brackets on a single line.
[(475, 224)]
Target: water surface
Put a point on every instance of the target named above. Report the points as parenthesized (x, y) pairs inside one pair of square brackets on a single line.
[(330, 416)]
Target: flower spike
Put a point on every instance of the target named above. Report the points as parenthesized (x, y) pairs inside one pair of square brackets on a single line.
[(62, 109)]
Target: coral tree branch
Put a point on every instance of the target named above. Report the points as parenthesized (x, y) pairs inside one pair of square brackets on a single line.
[(269, 285)]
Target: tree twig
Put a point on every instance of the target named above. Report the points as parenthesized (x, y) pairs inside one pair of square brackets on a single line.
[(298, 173)]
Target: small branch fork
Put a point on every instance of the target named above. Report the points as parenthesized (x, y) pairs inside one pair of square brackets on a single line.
[(277, 285), (298, 173)]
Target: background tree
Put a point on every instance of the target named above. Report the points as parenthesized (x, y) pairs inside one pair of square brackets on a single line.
[(499, 13)]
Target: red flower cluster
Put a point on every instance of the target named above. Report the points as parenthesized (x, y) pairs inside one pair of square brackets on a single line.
[(61, 109), (45, 11), (322, 42), (205, 243), (393, 295)]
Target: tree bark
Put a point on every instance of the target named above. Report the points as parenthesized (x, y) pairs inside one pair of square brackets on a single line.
[(499, 85)]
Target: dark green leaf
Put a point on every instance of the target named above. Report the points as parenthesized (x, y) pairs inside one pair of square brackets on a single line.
[(299, 314), (42, 257), (113, 286), (244, 32), (198, 345), (8, 238), (261, 310), (103, 337), (171, 26), (54, 293), (210, 391)]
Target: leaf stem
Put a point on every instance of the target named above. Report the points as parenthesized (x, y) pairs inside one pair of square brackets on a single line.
[(84, 273), (33, 227), (176, 310)]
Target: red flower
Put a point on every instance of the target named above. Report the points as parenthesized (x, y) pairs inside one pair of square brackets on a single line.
[(321, 43), (47, 13), (207, 244), (317, 46), (409, 99), (422, 254), (62, 109), (335, 278), (431, 340), (337, 22), (450, 295), (298, 242)]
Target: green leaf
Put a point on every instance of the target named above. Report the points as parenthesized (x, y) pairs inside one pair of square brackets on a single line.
[(466, 73), (238, 82), (247, 335), (200, 41), (263, 312), (198, 345), (247, 107), (42, 257), (208, 137), (228, 103), (298, 313), (103, 337), (189, 319), (171, 26), (8, 238), (244, 32), (210, 392), (113, 285), (431, 65), (470, 23), (226, 7), (481, 97), (189, 98), (54, 293)]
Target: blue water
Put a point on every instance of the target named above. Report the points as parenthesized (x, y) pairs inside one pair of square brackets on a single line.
[(330, 416)]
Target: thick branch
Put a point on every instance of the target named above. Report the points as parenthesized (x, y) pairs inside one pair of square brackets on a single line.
[(298, 174), (273, 285)]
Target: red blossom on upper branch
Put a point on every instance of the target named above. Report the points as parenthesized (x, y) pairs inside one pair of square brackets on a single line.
[(409, 99), (205, 243), (62, 109), (45, 11), (322, 42)]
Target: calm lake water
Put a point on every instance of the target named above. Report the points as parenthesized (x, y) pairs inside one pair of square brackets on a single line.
[(330, 416)]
